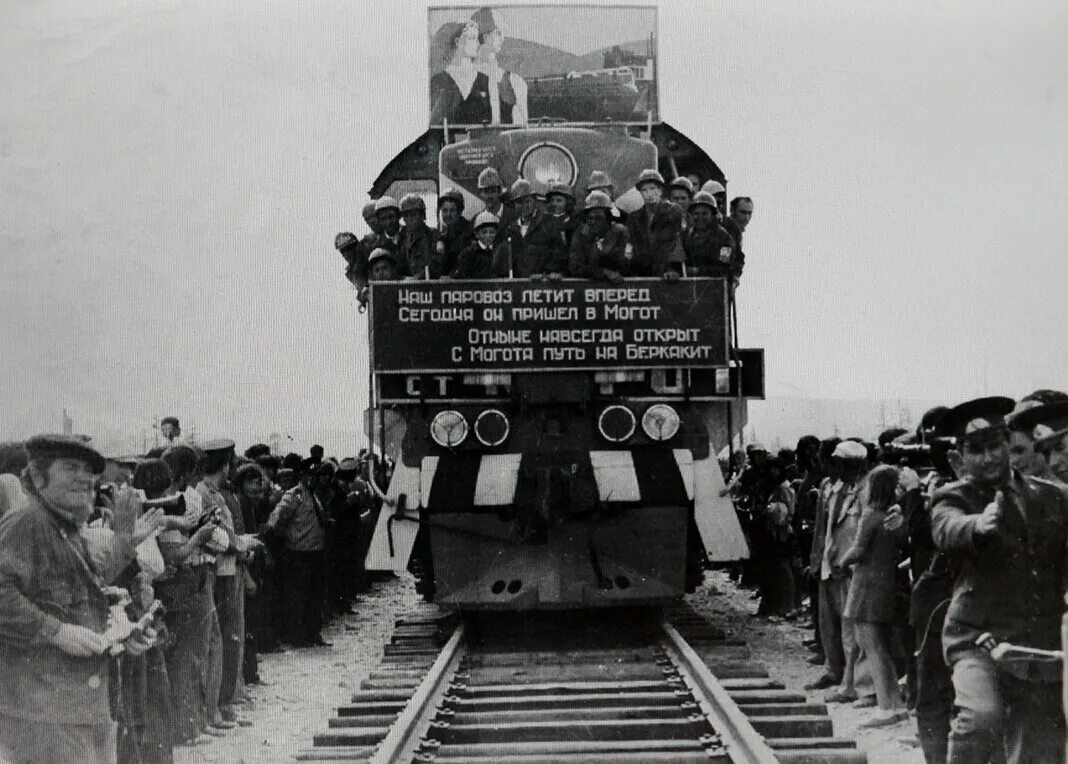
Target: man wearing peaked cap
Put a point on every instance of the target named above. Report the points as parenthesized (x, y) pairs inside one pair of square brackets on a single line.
[(1054, 444), (226, 543), (1009, 533), (1032, 423), (53, 608)]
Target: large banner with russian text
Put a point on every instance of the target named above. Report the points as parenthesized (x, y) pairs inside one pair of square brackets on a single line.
[(506, 326)]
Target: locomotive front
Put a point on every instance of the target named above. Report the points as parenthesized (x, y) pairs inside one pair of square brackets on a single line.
[(555, 442)]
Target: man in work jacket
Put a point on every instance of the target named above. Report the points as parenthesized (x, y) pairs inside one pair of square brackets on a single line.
[(53, 608), (533, 246), (656, 231)]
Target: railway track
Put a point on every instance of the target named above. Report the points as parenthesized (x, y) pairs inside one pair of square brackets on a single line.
[(619, 686)]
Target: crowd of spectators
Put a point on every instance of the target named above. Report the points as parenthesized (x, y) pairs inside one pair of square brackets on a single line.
[(912, 557), (137, 593), (681, 229)]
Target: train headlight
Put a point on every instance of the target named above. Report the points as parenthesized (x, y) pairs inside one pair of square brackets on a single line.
[(546, 163), (660, 422), (491, 427), (616, 423), (448, 429)]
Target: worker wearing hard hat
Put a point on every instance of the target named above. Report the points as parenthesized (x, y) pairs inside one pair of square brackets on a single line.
[(560, 204), (476, 260), (491, 192), (419, 257), (383, 218), (532, 245), (719, 192), (600, 181), (382, 265), (600, 248), (710, 250), (655, 231), (680, 192)]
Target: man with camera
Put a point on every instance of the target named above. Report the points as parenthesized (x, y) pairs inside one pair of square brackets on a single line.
[(54, 610), (1009, 533)]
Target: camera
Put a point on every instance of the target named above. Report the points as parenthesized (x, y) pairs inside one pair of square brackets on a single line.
[(171, 505)]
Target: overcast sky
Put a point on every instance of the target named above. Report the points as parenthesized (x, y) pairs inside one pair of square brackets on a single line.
[(173, 175)]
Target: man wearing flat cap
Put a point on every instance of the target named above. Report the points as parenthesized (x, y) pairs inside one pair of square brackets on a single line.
[(53, 609), (1009, 534), (835, 531)]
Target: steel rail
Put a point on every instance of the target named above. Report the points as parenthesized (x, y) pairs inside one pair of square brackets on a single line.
[(743, 743), (406, 733)]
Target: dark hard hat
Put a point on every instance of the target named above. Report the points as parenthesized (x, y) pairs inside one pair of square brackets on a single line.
[(452, 195), (684, 183), (560, 189), (345, 240), (378, 253), (521, 188), (597, 200), (704, 199), (649, 176), (489, 178), (385, 203), (412, 203), (484, 219)]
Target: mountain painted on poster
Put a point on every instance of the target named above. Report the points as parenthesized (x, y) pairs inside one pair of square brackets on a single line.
[(530, 59)]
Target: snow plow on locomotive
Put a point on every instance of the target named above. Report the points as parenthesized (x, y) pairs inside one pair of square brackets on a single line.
[(555, 442)]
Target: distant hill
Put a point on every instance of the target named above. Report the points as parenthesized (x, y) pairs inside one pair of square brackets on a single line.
[(595, 60), (528, 59)]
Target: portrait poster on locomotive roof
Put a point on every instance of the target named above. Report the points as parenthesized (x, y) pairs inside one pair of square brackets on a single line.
[(508, 65)]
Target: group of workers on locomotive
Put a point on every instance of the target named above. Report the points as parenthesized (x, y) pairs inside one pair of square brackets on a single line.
[(516, 236)]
